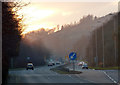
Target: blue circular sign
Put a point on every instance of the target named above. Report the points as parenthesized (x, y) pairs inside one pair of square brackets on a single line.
[(72, 56)]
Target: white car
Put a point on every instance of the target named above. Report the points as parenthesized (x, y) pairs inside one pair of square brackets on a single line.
[(30, 66), (53, 63), (81, 63), (84, 66)]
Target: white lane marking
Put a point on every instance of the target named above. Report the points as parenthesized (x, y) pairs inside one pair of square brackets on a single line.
[(109, 77)]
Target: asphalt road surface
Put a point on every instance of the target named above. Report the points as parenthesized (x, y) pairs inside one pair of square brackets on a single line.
[(98, 76), (45, 75)]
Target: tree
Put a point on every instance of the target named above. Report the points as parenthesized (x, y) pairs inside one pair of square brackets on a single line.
[(11, 35)]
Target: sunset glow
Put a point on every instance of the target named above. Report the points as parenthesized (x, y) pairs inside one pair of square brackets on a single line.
[(32, 16), (37, 27), (48, 15)]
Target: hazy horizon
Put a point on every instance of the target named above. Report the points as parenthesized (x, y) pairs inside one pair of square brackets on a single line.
[(50, 14)]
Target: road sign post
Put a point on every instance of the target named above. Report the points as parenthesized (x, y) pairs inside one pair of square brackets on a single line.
[(73, 65), (72, 56)]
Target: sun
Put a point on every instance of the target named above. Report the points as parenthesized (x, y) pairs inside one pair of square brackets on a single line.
[(33, 15)]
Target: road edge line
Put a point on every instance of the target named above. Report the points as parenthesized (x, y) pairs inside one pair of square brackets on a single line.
[(109, 77)]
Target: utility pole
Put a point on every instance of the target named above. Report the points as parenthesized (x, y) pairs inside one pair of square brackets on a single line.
[(103, 44), (73, 65), (96, 50), (115, 42), (90, 46)]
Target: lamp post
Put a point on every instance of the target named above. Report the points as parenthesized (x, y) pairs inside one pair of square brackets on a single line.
[(96, 53), (115, 43), (96, 49), (103, 44)]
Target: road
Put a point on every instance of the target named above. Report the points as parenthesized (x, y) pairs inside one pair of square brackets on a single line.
[(45, 75), (98, 76), (113, 75)]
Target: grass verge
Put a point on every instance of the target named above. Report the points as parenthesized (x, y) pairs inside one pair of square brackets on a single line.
[(105, 68)]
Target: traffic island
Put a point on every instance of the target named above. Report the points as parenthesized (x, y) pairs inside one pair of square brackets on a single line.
[(63, 70)]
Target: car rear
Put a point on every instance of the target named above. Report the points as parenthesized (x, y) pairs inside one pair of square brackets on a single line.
[(84, 66), (30, 66), (50, 64)]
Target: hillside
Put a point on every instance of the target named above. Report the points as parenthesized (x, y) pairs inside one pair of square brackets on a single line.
[(103, 47), (70, 37)]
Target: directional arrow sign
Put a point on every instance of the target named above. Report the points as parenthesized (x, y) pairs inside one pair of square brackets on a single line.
[(72, 56)]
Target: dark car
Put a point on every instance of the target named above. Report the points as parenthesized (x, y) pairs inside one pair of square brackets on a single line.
[(50, 64), (30, 66), (57, 63), (53, 63), (84, 66)]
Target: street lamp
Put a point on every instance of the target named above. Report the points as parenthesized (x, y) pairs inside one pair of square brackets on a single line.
[(103, 43), (96, 49), (115, 42), (96, 57)]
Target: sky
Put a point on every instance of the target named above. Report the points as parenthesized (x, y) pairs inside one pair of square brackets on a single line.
[(50, 14)]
